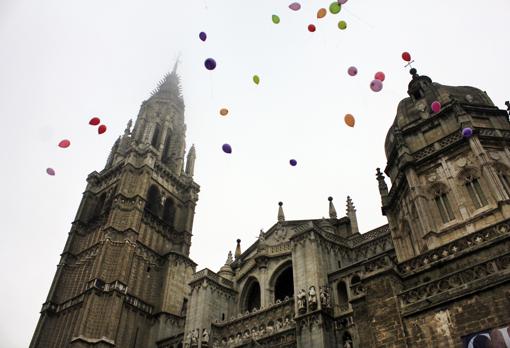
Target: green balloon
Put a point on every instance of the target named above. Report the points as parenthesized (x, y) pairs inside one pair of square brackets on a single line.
[(256, 79), (335, 7), (342, 25), (276, 19)]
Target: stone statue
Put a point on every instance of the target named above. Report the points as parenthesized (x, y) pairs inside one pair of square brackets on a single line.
[(205, 336), (312, 298), (194, 337), (279, 324), (348, 343), (324, 296), (238, 337), (286, 323), (301, 301)]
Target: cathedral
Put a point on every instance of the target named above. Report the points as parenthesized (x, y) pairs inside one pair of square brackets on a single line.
[(436, 275)]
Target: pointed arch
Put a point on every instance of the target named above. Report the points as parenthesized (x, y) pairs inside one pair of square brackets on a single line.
[(155, 136), (169, 211), (98, 210), (503, 173), (250, 298), (282, 281), (342, 295), (470, 178), (165, 157), (441, 197), (153, 200)]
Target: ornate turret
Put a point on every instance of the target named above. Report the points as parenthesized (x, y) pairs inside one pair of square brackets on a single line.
[(332, 210), (190, 161), (238, 249), (351, 214), (226, 270)]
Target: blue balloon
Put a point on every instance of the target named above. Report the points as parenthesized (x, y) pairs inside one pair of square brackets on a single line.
[(227, 148), (293, 162), (202, 36), (210, 64)]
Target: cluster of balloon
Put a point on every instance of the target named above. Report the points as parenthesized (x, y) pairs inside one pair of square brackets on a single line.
[(50, 171), (64, 143), (223, 111), (226, 148), (311, 28), (406, 56), (349, 120), (352, 71), (256, 79), (435, 106), (210, 64), (467, 132), (202, 36), (295, 6), (379, 76), (275, 19), (293, 162), (376, 85), (321, 13)]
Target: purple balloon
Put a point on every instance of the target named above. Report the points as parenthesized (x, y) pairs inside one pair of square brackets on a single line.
[(352, 71), (226, 148), (50, 171), (341, 2), (376, 85), (295, 6), (210, 64), (293, 162), (202, 36), (467, 132)]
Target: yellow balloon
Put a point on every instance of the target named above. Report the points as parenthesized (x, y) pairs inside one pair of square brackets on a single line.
[(349, 120)]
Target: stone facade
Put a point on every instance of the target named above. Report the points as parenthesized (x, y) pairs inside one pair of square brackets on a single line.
[(437, 275)]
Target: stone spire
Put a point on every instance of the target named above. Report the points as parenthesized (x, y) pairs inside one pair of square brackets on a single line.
[(332, 210), (238, 249), (190, 162), (383, 188), (229, 258), (281, 216), (226, 270), (351, 214), (169, 87)]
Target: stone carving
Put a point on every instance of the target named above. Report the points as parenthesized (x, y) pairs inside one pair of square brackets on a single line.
[(205, 337), (324, 296), (348, 343), (194, 337), (301, 301), (312, 298)]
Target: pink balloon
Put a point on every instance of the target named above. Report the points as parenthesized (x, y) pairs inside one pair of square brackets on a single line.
[(435, 106), (352, 71), (295, 6), (380, 76), (376, 85), (50, 171), (341, 2)]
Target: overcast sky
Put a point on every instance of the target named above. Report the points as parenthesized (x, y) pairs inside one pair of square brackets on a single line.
[(62, 62)]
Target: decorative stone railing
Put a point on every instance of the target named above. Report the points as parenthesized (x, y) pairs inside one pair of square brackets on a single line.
[(279, 248), (450, 250), (139, 304), (370, 235), (207, 273), (256, 325)]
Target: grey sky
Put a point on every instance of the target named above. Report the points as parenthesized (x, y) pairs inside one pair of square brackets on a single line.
[(62, 62)]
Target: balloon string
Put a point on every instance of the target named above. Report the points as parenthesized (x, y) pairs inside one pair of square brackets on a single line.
[(359, 19)]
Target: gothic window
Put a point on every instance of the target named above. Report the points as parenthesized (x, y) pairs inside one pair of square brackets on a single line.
[(505, 179), (252, 296), (355, 279), (155, 136), (347, 340), (475, 191), (153, 200), (166, 149), (99, 205), (284, 285), (443, 205), (184, 307), (343, 297), (169, 211)]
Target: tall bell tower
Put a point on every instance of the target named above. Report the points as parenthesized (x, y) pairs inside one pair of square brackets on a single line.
[(122, 280)]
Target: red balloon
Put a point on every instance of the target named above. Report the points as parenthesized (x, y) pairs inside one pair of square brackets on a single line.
[(64, 143), (94, 121), (380, 76), (406, 56), (311, 28), (101, 129)]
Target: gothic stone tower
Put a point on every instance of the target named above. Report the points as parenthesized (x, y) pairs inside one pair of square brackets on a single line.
[(122, 280)]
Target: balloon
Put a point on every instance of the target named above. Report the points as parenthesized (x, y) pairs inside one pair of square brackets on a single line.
[(349, 120), (101, 129), (406, 56), (50, 171), (210, 64), (311, 28), (342, 25), (256, 79), (435, 106), (202, 36), (342, 1), (335, 7), (321, 13), (293, 162), (376, 85), (380, 76), (295, 6), (94, 121), (223, 112), (467, 132), (275, 19), (64, 143), (352, 71), (226, 148)]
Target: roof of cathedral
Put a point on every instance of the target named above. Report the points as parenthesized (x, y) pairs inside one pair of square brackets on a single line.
[(169, 87)]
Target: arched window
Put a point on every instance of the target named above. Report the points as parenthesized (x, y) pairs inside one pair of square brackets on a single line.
[(165, 157), (155, 136), (474, 189), (347, 340), (153, 200), (169, 211), (284, 285), (355, 279), (343, 297), (252, 295), (99, 204), (443, 204), (505, 179)]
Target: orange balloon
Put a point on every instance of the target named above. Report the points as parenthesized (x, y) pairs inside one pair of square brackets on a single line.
[(321, 13), (349, 120), (223, 112)]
